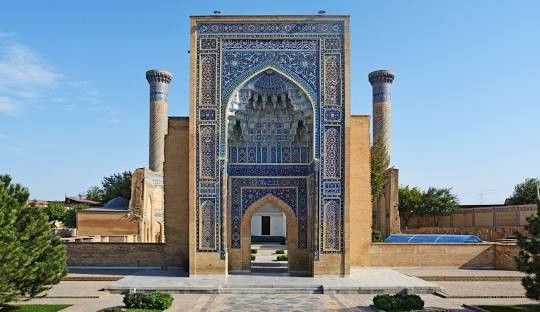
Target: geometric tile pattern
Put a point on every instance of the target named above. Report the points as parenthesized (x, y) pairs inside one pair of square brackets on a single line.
[(311, 55), (246, 191)]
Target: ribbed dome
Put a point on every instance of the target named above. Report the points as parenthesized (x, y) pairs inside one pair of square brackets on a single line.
[(117, 203), (270, 83)]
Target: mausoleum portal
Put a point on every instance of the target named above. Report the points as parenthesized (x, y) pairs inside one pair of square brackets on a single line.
[(269, 120), (270, 155)]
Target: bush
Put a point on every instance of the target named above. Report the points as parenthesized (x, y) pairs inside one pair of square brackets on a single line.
[(398, 302), (376, 236), (253, 251), (282, 258), (135, 300), (253, 257), (154, 300), (280, 252), (412, 302), (386, 302)]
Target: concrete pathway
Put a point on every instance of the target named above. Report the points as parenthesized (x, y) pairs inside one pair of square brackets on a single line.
[(365, 280), (266, 259), (88, 296)]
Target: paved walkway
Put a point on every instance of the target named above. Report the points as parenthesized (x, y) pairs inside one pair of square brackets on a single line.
[(88, 296), (446, 271), (365, 280), (266, 259)]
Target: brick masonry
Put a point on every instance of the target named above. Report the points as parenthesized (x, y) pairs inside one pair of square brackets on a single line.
[(174, 252)]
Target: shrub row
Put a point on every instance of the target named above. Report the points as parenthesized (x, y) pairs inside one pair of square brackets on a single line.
[(280, 251), (282, 258), (154, 300), (393, 303)]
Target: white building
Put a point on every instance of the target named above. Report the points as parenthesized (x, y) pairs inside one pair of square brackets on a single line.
[(268, 224)]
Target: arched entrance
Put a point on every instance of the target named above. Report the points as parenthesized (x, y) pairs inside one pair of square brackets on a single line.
[(292, 232), (269, 160)]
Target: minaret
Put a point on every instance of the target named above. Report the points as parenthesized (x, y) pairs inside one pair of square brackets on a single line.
[(159, 86), (381, 81)]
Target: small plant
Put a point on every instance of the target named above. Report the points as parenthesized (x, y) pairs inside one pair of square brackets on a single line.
[(280, 252), (282, 258), (253, 257), (376, 236), (253, 251), (398, 302), (154, 300)]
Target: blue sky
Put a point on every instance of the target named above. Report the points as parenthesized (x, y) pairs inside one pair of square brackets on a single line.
[(74, 99)]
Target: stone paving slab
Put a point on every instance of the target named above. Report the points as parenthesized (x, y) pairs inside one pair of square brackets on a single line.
[(482, 289), (449, 271), (259, 303), (366, 280)]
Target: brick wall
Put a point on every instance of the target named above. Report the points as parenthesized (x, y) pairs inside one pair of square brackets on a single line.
[(360, 191), (174, 252), (485, 255), (481, 216)]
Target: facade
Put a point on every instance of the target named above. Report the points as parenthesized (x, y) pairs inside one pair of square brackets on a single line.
[(270, 139), (269, 108)]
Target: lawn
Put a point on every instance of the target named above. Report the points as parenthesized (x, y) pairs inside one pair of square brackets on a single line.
[(512, 308), (34, 307)]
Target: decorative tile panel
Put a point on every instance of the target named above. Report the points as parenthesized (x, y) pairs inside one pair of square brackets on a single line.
[(311, 56), (208, 80), (332, 153), (332, 80), (207, 235), (207, 147), (332, 231), (246, 190)]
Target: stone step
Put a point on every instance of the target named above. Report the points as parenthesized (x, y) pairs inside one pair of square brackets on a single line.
[(269, 270), (273, 290), (269, 264)]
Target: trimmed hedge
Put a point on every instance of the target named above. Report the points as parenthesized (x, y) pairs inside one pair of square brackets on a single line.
[(253, 257), (282, 258), (253, 251), (280, 252), (398, 302), (154, 300)]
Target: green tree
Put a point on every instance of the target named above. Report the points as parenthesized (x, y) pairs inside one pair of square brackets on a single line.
[(118, 184), (69, 218), (55, 211), (528, 259), (94, 193), (32, 258), (410, 203), (439, 201), (525, 192), (379, 166)]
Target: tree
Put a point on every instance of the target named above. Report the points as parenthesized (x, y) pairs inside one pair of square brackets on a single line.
[(525, 192), (379, 166), (55, 211), (439, 201), (32, 258), (528, 259), (69, 218), (94, 193), (410, 203)]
